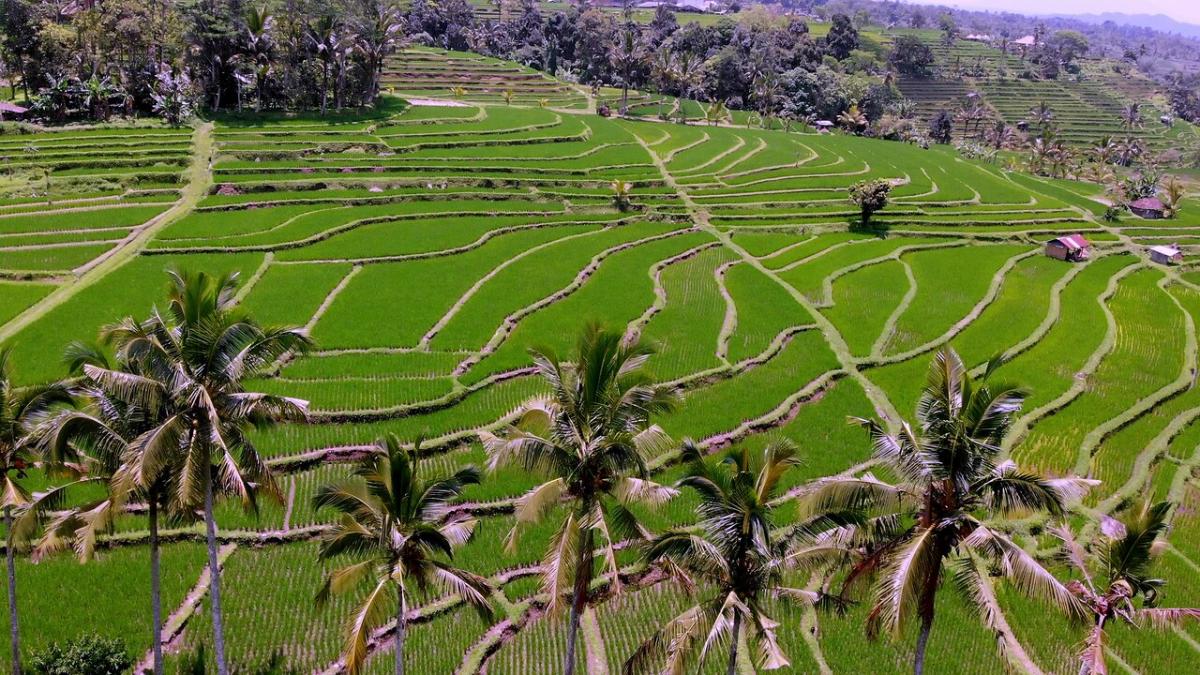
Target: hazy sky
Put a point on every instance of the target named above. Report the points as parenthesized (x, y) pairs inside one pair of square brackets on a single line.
[(1180, 10)]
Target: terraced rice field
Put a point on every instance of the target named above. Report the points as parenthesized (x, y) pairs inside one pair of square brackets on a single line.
[(1086, 107), (428, 249)]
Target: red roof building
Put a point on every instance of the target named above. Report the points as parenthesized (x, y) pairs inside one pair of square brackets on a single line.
[(1071, 248), (11, 110), (1148, 207)]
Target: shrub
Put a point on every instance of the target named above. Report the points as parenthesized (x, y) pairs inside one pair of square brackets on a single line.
[(869, 196), (85, 655)]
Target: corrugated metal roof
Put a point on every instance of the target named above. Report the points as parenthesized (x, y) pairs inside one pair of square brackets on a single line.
[(1148, 203), (1169, 251), (7, 107), (1072, 241)]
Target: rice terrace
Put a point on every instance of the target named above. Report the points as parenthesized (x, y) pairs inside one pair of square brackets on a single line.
[(453, 359)]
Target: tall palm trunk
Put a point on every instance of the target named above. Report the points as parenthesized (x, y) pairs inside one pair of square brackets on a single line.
[(926, 611), (214, 574), (155, 590), (733, 647), (583, 581), (401, 616), (13, 628), (324, 87)]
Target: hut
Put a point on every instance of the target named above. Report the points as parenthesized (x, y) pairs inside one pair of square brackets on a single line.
[(823, 125), (1148, 207), (1166, 255), (1071, 248), (12, 111)]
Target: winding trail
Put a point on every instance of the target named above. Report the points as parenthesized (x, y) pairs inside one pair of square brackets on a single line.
[(198, 179), (883, 406)]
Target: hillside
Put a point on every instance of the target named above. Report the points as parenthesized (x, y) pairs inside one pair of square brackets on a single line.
[(427, 247)]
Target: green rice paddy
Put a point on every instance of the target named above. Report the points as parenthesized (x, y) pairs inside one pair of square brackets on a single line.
[(428, 248)]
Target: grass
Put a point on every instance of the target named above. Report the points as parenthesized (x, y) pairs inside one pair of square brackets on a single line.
[(429, 248)]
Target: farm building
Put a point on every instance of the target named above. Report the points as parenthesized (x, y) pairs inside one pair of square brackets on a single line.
[(1166, 255), (823, 125), (1072, 248), (1148, 207), (12, 111)]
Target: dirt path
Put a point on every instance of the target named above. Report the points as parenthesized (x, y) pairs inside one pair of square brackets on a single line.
[(197, 180), (883, 406)]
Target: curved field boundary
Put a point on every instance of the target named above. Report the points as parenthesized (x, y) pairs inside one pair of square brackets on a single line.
[(423, 344), (510, 322), (827, 282), (1024, 423), (833, 338), (730, 323), (704, 138), (1147, 404), (817, 254), (279, 226), (963, 323), (331, 297), (789, 247), (725, 170), (244, 291), (635, 327), (699, 169), (352, 225), (198, 178), (889, 326), (172, 628), (1141, 467), (1052, 314)]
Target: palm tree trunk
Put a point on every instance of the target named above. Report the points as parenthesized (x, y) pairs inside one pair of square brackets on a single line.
[(922, 641), (583, 581), (155, 590), (13, 628), (926, 610), (214, 576), (733, 647), (401, 613)]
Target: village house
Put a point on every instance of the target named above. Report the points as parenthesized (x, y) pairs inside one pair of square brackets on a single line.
[(1071, 248), (1166, 255), (1148, 207), (12, 111)]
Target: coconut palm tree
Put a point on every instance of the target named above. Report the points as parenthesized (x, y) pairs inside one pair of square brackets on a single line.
[(379, 34), (325, 37), (1122, 560), (97, 441), (625, 54), (19, 410), (398, 523), (852, 119), (591, 436), (737, 554), (1041, 114), (952, 496), (716, 112), (1131, 117), (260, 44), (621, 190), (191, 362)]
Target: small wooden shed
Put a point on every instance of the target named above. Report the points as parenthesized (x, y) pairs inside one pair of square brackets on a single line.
[(12, 111), (1148, 207), (1166, 255), (1071, 248)]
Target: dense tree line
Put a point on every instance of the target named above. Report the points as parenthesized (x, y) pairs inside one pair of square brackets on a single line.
[(95, 59)]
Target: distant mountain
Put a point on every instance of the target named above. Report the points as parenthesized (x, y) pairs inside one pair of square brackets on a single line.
[(1159, 22)]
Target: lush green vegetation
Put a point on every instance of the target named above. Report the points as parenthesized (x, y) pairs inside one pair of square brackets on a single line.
[(427, 249)]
